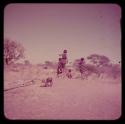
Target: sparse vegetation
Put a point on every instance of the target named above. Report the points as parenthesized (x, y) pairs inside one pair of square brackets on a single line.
[(13, 51), (26, 84)]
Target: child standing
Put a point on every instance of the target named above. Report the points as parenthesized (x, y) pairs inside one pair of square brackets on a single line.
[(64, 58), (59, 68), (81, 66)]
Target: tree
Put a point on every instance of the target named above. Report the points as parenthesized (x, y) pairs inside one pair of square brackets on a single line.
[(13, 51), (98, 60), (114, 70)]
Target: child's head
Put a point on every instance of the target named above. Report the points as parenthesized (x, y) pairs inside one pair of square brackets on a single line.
[(60, 59), (65, 51), (82, 59)]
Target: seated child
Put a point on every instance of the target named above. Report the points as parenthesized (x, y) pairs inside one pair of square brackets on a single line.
[(47, 82), (69, 74)]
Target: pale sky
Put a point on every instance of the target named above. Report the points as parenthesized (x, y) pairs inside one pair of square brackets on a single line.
[(45, 30)]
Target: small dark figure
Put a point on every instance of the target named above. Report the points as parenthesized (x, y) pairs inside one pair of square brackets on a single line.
[(81, 66), (64, 59), (59, 68), (69, 74), (47, 82)]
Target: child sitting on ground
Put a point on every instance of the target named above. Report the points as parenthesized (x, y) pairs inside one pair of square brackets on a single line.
[(69, 74), (47, 82)]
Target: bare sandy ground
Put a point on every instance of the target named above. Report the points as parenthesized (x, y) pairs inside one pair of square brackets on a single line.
[(92, 99)]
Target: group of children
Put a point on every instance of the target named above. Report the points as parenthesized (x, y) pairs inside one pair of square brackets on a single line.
[(61, 69), (63, 60)]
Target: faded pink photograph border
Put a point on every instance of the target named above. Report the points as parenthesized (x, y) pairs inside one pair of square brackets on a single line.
[(62, 62)]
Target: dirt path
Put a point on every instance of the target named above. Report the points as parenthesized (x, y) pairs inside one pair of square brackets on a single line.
[(67, 99)]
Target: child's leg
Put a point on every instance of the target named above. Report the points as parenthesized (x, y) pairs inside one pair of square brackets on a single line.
[(70, 75), (81, 72), (59, 71)]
